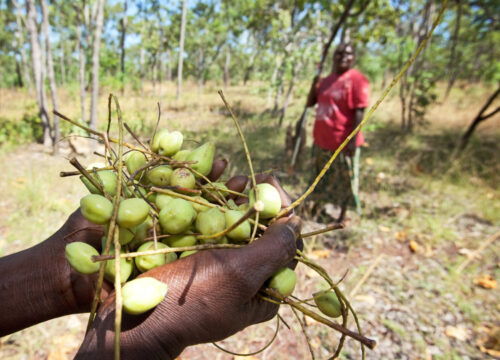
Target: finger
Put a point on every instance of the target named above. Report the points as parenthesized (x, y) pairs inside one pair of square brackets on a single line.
[(218, 167), (237, 183)]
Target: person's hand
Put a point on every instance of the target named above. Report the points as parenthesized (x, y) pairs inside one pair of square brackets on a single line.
[(350, 147)]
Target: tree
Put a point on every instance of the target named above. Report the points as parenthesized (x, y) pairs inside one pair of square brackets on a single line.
[(95, 64), (181, 49)]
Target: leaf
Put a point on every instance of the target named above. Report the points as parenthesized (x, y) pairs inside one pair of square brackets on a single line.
[(401, 235), (489, 340), (459, 333), (414, 247), (486, 281)]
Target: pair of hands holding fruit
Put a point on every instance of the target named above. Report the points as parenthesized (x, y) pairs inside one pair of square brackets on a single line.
[(211, 295)]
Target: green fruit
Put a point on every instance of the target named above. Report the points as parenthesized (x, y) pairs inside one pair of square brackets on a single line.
[(187, 253), (212, 194), (170, 143), (142, 294), (210, 222), (141, 231), (155, 144), (160, 175), (148, 262), (96, 208), (284, 281), (243, 230), (204, 157), (162, 200), (177, 216), (125, 235), (328, 303), (244, 207), (135, 160), (183, 178), (79, 255), (199, 207), (270, 197), (132, 212), (107, 178), (181, 155), (126, 267), (180, 240)]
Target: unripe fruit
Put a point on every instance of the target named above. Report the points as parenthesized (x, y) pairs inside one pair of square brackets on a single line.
[(183, 178), (96, 208), (155, 144), (210, 222), (244, 207), (204, 157), (180, 240), (181, 155), (162, 200), (242, 231), (212, 194), (126, 267), (125, 235), (160, 175), (79, 255), (142, 294), (132, 212), (199, 207), (328, 303), (270, 197), (141, 231), (177, 216), (148, 262), (187, 253), (134, 160), (170, 143), (284, 281), (107, 178)]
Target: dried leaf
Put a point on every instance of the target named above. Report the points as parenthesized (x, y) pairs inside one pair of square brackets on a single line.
[(320, 254), (459, 333), (489, 341), (414, 247), (401, 235), (486, 281)]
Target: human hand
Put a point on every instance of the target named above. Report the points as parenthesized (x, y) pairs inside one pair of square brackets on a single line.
[(350, 147)]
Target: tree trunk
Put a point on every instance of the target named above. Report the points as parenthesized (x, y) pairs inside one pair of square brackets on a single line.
[(153, 75), (37, 70), (95, 65), (227, 64), (271, 85), (181, 49), (52, 78), (122, 43), (279, 89), (141, 66), (201, 69), (81, 73), (61, 65), (26, 76), (168, 70), (454, 60), (288, 94)]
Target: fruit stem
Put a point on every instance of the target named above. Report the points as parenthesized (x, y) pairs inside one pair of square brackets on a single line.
[(324, 230), (75, 173)]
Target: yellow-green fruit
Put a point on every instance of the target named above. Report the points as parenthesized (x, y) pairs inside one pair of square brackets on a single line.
[(162, 200), (244, 207), (204, 157), (125, 235), (212, 194), (284, 281), (170, 143), (242, 231), (141, 231), (148, 262), (132, 212), (210, 222), (199, 207), (160, 175), (107, 178), (177, 216), (79, 255), (181, 155), (270, 197), (155, 144), (180, 240), (183, 178), (142, 294), (126, 267), (328, 303), (96, 208), (134, 160), (187, 253)]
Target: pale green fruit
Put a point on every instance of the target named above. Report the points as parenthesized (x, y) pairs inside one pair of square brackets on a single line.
[(79, 255), (177, 216), (125, 235), (204, 157), (284, 281), (210, 222), (162, 200), (170, 143), (243, 230), (328, 303), (141, 231), (187, 253), (126, 267), (270, 197), (199, 207), (142, 294), (96, 208), (148, 262), (244, 207), (132, 212), (155, 144), (134, 160), (107, 178), (160, 175), (180, 240), (181, 155), (211, 194), (183, 178)]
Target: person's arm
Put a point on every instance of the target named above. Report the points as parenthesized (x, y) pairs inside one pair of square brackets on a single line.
[(351, 146)]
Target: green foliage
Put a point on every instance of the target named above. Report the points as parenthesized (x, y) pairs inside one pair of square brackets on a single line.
[(27, 129)]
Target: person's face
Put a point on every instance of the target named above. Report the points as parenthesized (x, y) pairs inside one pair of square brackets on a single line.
[(343, 58)]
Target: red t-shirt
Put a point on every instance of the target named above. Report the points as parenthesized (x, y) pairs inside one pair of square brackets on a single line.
[(338, 97)]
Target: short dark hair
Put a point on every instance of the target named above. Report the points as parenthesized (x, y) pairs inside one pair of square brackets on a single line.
[(346, 44)]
